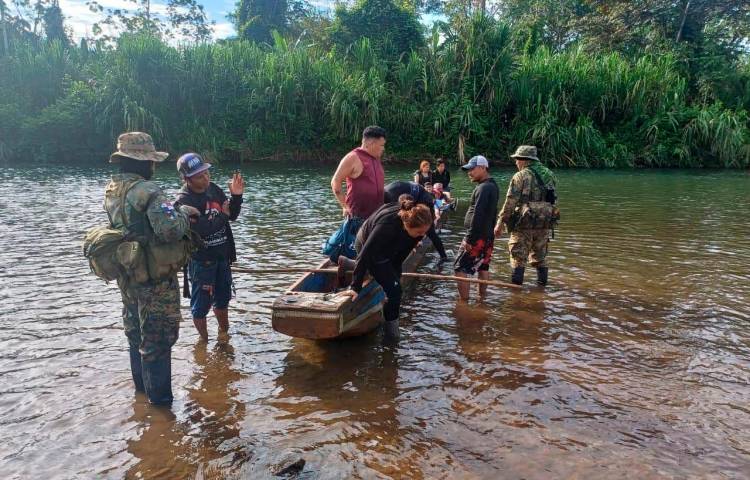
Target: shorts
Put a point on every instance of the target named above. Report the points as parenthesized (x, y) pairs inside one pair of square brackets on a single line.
[(474, 257), (210, 286)]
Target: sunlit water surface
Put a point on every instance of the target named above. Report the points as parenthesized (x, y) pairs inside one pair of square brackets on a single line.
[(634, 363)]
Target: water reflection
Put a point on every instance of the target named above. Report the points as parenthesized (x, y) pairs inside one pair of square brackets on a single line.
[(509, 341), (205, 439), (214, 409), (155, 431), (359, 372), (340, 394), (505, 350)]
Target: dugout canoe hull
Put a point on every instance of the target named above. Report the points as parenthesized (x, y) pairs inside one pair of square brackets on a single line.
[(311, 309)]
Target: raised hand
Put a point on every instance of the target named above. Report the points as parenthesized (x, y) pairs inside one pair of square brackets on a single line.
[(237, 184)]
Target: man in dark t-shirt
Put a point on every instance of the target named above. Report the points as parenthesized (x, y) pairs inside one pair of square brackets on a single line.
[(210, 213), (476, 248)]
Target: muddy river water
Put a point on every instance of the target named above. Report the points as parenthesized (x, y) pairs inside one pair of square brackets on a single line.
[(634, 363)]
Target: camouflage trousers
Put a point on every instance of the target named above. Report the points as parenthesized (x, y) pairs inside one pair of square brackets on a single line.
[(151, 316), (528, 245)]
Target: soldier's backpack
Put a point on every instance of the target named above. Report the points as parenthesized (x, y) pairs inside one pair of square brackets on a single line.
[(111, 255), (100, 248), (540, 215)]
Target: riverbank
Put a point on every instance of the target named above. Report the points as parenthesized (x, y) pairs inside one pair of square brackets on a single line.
[(478, 91)]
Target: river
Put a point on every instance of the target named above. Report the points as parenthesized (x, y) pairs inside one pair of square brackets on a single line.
[(633, 363)]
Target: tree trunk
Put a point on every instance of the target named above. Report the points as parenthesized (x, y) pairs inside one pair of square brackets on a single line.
[(461, 144), (682, 21)]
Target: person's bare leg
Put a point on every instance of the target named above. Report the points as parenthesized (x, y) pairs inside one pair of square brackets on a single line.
[(222, 316), (463, 287), (200, 325), (483, 275)]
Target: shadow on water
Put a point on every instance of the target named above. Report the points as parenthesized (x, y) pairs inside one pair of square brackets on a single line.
[(205, 438), (340, 398)]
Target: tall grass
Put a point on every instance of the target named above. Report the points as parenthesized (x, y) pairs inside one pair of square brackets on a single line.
[(470, 90)]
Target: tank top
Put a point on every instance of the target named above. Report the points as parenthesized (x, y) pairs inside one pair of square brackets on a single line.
[(364, 194)]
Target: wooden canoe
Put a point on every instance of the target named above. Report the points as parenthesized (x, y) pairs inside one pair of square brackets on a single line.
[(310, 308)]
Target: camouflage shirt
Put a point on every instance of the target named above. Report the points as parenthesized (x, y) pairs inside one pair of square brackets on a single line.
[(147, 211), (523, 188)]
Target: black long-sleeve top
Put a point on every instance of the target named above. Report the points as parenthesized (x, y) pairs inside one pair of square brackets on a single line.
[(384, 240), (480, 218), (212, 224), (395, 189), (444, 178)]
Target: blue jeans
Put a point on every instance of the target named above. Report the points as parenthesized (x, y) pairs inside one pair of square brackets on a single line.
[(210, 285)]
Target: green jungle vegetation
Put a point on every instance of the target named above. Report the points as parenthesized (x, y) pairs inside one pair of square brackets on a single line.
[(592, 83)]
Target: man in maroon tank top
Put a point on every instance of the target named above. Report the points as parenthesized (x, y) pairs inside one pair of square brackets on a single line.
[(363, 173)]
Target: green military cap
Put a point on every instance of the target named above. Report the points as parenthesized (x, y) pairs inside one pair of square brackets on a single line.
[(138, 146), (525, 151)]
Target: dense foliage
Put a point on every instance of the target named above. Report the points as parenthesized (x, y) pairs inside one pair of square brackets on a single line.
[(477, 83)]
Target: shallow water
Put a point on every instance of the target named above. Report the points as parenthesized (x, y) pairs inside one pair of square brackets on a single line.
[(635, 361)]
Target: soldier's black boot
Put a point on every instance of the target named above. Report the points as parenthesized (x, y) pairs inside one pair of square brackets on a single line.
[(136, 369), (541, 275), (390, 331), (517, 276), (157, 378)]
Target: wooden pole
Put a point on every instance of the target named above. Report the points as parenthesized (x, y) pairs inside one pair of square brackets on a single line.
[(283, 270), (430, 276)]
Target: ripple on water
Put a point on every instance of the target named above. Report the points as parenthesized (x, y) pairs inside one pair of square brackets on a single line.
[(634, 362)]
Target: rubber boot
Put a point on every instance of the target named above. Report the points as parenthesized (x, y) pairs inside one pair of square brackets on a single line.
[(136, 369), (157, 378), (390, 331), (517, 276), (541, 275)]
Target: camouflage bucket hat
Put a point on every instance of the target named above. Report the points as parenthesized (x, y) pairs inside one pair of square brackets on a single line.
[(525, 151), (138, 146)]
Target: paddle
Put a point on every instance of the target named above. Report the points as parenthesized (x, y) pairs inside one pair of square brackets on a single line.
[(429, 276)]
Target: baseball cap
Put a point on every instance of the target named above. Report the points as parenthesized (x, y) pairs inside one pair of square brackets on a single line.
[(191, 164), (477, 161)]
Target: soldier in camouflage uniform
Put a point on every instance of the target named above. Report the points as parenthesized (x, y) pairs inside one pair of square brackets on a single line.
[(151, 312), (528, 239)]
